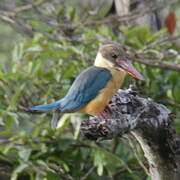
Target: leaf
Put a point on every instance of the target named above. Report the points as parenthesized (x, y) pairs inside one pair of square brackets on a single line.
[(76, 121), (11, 120), (52, 176), (24, 153), (36, 47), (138, 36), (176, 93), (105, 31), (18, 51), (99, 161), (15, 97), (77, 129), (170, 22), (155, 35), (103, 158), (63, 122), (73, 15), (170, 94), (18, 170)]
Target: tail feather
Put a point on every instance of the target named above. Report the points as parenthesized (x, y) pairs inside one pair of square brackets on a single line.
[(45, 107), (55, 119)]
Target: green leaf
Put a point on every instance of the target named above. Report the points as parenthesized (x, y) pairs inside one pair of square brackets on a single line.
[(17, 52), (103, 158), (11, 121), (24, 153), (63, 122), (15, 97), (19, 169), (99, 161), (35, 48), (176, 93), (155, 35), (76, 121), (52, 176)]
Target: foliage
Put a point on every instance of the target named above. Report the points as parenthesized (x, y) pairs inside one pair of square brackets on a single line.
[(40, 70)]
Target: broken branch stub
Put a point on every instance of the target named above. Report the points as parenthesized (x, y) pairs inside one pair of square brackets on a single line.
[(149, 122), (129, 112)]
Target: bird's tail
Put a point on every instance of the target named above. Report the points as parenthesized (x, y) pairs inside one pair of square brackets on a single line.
[(55, 118), (45, 107)]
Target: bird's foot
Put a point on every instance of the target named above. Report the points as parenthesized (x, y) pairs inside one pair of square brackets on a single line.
[(109, 108), (104, 116)]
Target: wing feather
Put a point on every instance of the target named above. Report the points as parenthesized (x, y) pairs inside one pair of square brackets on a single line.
[(85, 88)]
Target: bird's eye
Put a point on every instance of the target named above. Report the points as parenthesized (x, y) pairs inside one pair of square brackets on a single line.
[(114, 56)]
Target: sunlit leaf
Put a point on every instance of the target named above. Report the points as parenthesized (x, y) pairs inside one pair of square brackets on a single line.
[(18, 170)]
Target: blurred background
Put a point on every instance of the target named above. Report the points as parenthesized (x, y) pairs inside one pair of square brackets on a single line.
[(44, 46)]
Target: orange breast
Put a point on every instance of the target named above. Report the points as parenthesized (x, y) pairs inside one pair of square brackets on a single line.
[(98, 104)]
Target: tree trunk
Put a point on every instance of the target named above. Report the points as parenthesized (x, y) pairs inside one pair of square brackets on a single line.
[(154, 19)]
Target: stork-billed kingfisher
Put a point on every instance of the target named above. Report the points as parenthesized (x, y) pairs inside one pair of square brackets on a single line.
[(94, 87)]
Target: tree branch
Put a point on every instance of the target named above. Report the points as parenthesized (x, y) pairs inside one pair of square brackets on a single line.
[(119, 19), (149, 122), (22, 8), (27, 7), (159, 64), (8, 16)]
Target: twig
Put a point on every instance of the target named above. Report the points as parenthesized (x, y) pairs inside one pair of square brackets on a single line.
[(28, 6), (114, 145), (134, 150), (156, 63), (118, 19), (88, 173), (23, 8), (109, 20), (171, 103), (162, 41), (120, 170)]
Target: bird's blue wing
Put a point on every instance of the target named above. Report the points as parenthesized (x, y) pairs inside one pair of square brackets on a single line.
[(85, 88)]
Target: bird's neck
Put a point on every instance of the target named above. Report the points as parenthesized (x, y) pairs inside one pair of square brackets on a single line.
[(100, 61), (118, 75)]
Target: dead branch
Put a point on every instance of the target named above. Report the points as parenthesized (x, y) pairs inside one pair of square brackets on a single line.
[(149, 122), (158, 64)]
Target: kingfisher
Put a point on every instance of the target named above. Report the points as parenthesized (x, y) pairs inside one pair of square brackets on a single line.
[(94, 87)]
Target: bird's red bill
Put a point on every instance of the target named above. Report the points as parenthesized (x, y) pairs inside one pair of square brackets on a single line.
[(127, 66)]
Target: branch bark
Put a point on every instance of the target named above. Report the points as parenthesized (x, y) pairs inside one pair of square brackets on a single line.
[(156, 63), (149, 122)]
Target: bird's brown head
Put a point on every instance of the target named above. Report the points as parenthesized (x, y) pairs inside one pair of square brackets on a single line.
[(115, 56)]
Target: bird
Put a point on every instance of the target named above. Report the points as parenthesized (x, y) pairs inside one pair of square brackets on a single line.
[(94, 87)]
